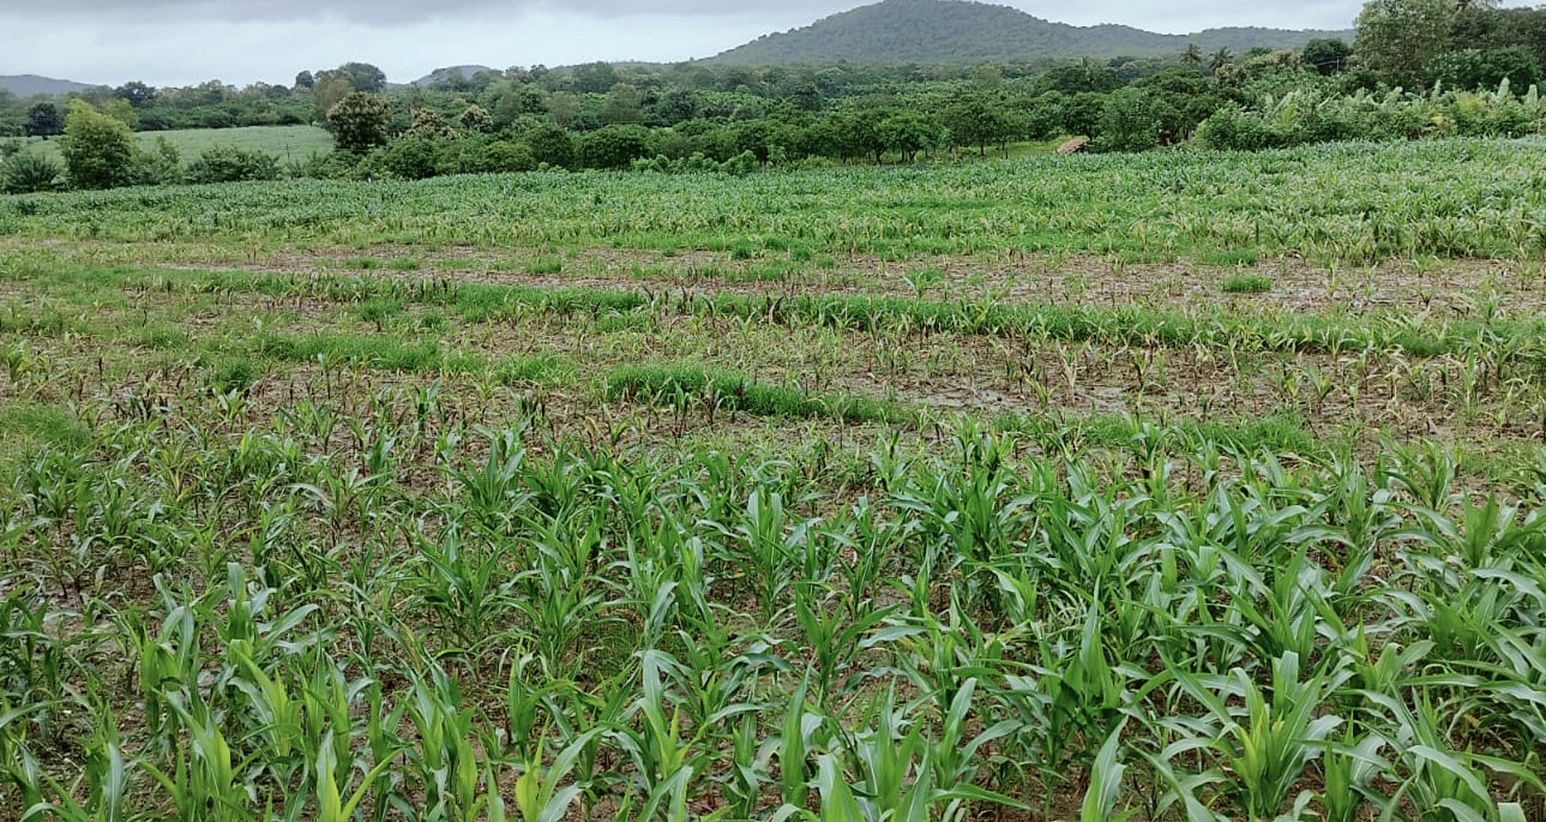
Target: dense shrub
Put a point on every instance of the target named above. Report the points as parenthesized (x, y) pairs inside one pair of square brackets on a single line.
[(162, 165), (614, 147), (495, 157), (1133, 120), (739, 165), (332, 165), (230, 164), (99, 151), (1306, 116), (409, 158), (551, 146), (1472, 69), (30, 172), (360, 122)]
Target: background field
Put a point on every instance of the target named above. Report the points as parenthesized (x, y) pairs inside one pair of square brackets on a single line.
[(285, 142), (1190, 486)]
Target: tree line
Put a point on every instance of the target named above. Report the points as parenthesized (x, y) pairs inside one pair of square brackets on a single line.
[(1414, 69)]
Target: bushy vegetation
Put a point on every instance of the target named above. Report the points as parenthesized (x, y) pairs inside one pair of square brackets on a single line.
[(1340, 204), (231, 164), (1308, 116), (29, 172), (99, 151), (1470, 72)]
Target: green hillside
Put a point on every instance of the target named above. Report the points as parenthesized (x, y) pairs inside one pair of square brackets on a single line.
[(956, 31)]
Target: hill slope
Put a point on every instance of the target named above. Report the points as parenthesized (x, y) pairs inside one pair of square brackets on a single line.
[(443, 76), (957, 31), (26, 85)]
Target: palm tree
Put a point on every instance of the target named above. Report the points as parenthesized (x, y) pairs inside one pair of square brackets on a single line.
[(1192, 56), (1220, 59)]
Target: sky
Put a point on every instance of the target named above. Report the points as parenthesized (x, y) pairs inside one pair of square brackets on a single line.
[(182, 42)]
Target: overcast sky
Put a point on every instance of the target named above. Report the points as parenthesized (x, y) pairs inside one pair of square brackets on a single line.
[(179, 42)]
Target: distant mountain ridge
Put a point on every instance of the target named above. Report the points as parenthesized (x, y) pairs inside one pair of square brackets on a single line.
[(962, 31), (27, 85)]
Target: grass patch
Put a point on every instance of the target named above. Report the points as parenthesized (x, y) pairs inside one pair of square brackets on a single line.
[(1124, 325), (163, 336), (537, 369), (546, 266), (234, 374), (375, 352), (1282, 433), (1247, 284), (49, 425), (379, 310), (683, 385)]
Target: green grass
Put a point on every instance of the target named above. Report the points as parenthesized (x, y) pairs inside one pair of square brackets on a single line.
[(382, 352), (1247, 284), (481, 302), (284, 142), (45, 425), (730, 391), (1348, 204)]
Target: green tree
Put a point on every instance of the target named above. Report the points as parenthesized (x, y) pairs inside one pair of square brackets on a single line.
[(429, 125), (614, 147), (120, 110), (1327, 55), (551, 145), (476, 119), (329, 91), (1397, 38), (43, 120), (1133, 120), (674, 106), (624, 105), (98, 150), (910, 132), (410, 158), (230, 164), (136, 93), (360, 122), (979, 120), (363, 77), (1471, 69), (563, 108), (510, 100), (1220, 60), (595, 78), (162, 165)]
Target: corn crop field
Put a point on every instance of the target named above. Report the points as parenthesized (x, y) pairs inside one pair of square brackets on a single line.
[(1175, 486)]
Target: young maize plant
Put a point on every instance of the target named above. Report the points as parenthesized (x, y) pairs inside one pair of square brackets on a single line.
[(863, 496)]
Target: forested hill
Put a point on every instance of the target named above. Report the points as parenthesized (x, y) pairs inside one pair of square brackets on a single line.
[(26, 85), (957, 31)]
